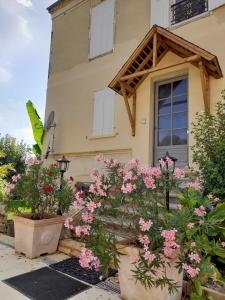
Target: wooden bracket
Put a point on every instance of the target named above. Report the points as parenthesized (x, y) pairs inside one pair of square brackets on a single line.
[(205, 84), (154, 55), (131, 113)]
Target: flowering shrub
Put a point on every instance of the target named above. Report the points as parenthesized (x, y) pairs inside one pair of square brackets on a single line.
[(131, 195), (41, 190)]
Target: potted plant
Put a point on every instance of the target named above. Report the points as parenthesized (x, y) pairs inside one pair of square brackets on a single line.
[(44, 193), (162, 244)]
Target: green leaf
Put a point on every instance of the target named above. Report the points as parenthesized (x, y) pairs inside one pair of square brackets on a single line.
[(36, 123), (36, 150), (197, 286)]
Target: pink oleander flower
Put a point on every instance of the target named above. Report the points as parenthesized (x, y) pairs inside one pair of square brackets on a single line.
[(200, 211), (91, 206), (169, 244), (88, 260), (192, 272), (133, 163), (9, 188), (145, 225), (121, 172), (32, 161), (210, 196), (69, 223), (193, 244), (150, 171), (223, 244), (190, 225), (169, 235), (135, 259), (201, 222), (144, 240), (79, 198), (159, 272), (162, 162), (178, 173), (129, 176), (128, 188), (99, 157), (85, 230), (94, 174), (87, 217), (149, 182), (16, 178), (149, 256), (194, 257), (196, 185)]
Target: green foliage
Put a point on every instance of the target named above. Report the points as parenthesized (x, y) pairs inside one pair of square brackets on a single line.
[(40, 190), (37, 127), (209, 149), (15, 155), (4, 169)]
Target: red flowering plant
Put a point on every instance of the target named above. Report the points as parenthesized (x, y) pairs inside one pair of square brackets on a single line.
[(42, 190), (133, 198)]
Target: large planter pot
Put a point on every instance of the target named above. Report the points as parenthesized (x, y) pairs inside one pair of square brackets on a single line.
[(132, 290), (37, 237)]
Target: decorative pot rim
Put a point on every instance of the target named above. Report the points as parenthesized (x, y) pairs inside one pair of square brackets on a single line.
[(37, 223)]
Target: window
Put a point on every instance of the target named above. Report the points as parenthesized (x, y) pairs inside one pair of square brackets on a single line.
[(103, 118), (183, 10), (102, 28)]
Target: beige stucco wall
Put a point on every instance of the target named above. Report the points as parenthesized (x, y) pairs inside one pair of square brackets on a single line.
[(73, 80)]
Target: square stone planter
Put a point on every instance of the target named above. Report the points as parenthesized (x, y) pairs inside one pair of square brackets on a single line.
[(37, 237), (132, 290)]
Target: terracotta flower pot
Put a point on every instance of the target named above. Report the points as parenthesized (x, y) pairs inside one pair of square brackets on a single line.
[(132, 290), (36, 237)]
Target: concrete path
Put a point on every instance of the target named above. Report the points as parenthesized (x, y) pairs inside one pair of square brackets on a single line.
[(12, 264)]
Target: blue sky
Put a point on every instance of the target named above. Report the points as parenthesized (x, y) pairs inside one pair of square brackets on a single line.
[(25, 29)]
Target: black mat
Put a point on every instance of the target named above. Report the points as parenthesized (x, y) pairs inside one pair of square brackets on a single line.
[(72, 267), (46, 284)]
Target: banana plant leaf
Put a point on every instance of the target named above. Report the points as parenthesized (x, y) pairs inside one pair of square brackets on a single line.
[(37, 126)]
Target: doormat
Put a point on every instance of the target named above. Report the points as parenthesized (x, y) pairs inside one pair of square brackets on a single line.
[(72, 267), (46, 283)]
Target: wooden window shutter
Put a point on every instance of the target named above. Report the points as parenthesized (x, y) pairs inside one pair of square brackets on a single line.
[(160, 11), (103, 118), (102, 28), (215, 3)]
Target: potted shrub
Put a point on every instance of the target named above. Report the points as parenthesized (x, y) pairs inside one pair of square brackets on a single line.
[(162, 244), (44, 193)]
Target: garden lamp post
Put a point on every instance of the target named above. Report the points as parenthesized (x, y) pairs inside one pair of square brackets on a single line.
[(63, 165), (164, 162)]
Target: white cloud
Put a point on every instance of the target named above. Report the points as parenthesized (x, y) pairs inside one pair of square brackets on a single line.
[(5, 75), (24, 27), (27, 3), (24, 133)]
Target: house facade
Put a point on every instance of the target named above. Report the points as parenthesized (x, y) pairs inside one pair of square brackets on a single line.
[(127, 77)]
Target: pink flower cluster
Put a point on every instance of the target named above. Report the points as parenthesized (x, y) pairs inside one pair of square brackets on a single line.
[(149, 256), (149, 182), (145, 225), (88, 260), (87, 217), (194, 257), (85, 230), (150, 171), (214, 199), (79, 198), (144, 240), (196, 185), (10, 187), (16, 178), (69, 223), (169, 245), (129, 176), (192, 272), (133, 163), (98, 188), (32, 161), (92, 205), (166, 161), (178, 173), (200, 211), (128, 188)]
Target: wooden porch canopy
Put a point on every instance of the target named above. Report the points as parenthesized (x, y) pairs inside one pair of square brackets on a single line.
[(146, 57)]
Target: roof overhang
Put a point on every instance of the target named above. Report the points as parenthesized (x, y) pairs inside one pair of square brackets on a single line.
[(150, 52), (58, 5)]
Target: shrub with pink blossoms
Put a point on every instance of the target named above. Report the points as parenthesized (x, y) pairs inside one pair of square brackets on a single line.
[(160, 235)]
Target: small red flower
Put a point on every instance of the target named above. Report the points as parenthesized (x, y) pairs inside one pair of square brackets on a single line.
[(47, 189), (48, 173), (71, 178)]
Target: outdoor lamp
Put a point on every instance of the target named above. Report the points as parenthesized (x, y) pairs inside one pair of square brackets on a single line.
[(63, 165), (167, 173)]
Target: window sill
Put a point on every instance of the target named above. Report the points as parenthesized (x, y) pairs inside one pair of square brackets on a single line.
[(104, 136), (205, 14)]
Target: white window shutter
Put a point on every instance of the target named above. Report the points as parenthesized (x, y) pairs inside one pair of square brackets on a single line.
[(160, 11), (215, 3), (102, 28), (103, 119)]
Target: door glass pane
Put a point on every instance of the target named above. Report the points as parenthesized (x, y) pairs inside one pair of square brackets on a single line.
[(164, 90), (179, 137), (179, 103), (180, 120), (164, 106), (164, 137), (180, 87), (164, 122)]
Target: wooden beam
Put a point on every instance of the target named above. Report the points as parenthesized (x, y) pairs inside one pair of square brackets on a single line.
[(154, 50), (134, 111), (125, 97), (205, 84), (151, 70)]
